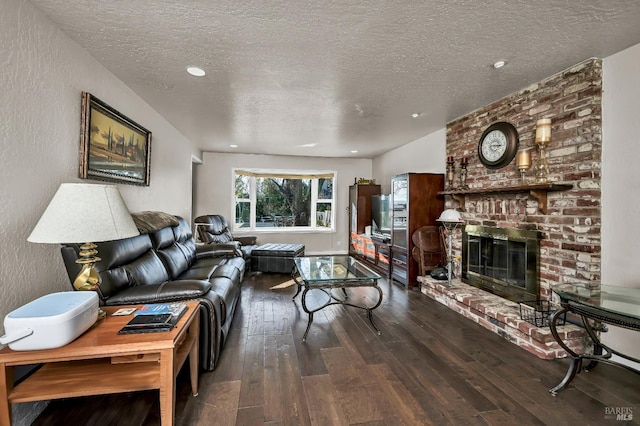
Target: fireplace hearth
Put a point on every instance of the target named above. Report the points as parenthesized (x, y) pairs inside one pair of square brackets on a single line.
[(502, 261)]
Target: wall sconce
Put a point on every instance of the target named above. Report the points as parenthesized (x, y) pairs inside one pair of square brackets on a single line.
[(543, 136), (523, 162)]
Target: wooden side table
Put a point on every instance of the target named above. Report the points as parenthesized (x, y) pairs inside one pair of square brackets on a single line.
[(101, 361)]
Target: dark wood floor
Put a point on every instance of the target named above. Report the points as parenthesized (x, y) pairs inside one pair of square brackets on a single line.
[(429, 366)]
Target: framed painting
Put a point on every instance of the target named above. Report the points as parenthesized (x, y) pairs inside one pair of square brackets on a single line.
[(113, 147)]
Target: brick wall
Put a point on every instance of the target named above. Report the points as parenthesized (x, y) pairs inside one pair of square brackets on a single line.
[(570, 245)]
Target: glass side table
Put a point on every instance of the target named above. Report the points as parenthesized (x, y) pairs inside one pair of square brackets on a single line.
[(618, 306)]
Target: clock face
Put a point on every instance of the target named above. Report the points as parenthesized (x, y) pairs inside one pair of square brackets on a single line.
[(498, 145), (494, 145)]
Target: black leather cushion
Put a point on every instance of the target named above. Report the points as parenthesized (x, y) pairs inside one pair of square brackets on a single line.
[(165, 292), (236, 262), (162, 238), (173, 258), (184, 239), (147, 269), (230, 249), (114, 256), (120, 252), (228, 271)]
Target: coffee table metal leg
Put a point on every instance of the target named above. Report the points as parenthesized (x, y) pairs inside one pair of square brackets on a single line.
[(310, 313), (294, 277), (370, 310)]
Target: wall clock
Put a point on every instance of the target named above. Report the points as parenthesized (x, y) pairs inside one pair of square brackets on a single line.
[(498, 145)]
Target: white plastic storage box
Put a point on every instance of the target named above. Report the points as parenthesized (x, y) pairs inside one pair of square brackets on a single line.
[(50, 321)]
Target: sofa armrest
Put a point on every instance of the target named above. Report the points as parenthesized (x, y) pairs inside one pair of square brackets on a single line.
[(170, 291), (231, 249), (246, 240)]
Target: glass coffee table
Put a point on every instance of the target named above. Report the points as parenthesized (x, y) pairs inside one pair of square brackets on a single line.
[(321, 275)]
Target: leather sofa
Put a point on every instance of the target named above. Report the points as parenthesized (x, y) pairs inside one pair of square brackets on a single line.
[(164, 266), (213, 230)]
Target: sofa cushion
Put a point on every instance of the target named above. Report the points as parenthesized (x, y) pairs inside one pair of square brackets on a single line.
[(184, 239), (202, 271), (228, 271), (120, 252), (173, 259), (165, 292), (147, 269), (236, 262), (162, 238), (113, 281)]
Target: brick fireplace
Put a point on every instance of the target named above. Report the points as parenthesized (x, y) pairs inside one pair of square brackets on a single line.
[(569, 223)]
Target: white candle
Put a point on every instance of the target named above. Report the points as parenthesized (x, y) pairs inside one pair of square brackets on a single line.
[(543, 130)]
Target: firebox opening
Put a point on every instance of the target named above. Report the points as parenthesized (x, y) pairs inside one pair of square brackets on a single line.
[(502, 261)]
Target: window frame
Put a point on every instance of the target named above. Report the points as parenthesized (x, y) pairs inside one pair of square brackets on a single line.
[(313, 175)]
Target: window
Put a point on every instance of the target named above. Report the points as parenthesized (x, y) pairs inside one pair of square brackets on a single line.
[(284, 200)]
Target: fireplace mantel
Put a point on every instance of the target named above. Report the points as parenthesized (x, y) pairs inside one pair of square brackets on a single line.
[(537, 191)]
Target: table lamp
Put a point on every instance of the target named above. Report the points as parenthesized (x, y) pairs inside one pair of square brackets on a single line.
[(450, 219), (86, 214)]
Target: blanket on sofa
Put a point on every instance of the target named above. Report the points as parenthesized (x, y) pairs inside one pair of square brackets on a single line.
[(150, 221)]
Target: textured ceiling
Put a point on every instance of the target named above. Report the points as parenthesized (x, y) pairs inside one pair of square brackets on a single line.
[(322, 78)]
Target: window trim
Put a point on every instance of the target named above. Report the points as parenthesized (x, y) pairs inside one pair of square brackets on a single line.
[(314, 175)]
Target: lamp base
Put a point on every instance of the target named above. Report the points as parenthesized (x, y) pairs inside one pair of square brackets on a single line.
[(88, 279)]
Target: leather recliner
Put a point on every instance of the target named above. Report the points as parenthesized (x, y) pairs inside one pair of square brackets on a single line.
[(214, 230), (165, 266)]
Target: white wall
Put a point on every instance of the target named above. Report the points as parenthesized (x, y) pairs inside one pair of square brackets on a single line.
[(42, 75), (424, 155), (620, 181), (214, 194)]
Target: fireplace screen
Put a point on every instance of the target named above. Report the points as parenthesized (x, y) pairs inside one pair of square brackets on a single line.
[(501, 261)]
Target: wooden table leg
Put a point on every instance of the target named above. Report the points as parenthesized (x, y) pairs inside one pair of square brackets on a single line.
[(167, 387), (6, 385), (193, 354)]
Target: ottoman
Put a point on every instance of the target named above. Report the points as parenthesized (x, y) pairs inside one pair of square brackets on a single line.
[(275, 257)]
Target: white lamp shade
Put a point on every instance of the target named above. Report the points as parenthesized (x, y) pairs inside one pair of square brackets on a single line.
[(450, 215), (81, 213)]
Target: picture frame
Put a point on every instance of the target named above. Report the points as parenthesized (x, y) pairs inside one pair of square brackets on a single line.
[(113, 147)]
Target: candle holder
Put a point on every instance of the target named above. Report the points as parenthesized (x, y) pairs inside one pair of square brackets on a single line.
[(450, 173), (523, 162), (543, 136), (463, 173)]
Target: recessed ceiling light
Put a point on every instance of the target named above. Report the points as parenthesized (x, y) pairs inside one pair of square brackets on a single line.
[(415, 115), (499, 64), (233, 145), (198, 72), (354, 151)]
